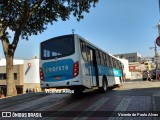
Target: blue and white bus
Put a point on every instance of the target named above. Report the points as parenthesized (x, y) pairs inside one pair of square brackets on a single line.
[(72, 62)]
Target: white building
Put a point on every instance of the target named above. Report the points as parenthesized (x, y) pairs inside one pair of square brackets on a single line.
[(126, 68), (26, 74), (31, 74)]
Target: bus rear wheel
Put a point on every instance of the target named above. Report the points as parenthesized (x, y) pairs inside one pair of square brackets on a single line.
[(104, 89), (78, 91)]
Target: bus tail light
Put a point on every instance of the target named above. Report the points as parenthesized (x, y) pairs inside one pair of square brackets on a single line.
[(41, 74), (75, 69)]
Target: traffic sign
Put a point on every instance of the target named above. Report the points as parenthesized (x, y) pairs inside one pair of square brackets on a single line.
[(158, 41)]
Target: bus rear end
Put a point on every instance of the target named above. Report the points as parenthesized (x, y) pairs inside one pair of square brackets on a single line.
[(59, 63)]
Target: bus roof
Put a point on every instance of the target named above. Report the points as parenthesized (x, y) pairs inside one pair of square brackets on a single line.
[(94, 46)]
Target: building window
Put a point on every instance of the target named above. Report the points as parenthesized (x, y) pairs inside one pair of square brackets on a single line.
[(15, 76), (2, 76)]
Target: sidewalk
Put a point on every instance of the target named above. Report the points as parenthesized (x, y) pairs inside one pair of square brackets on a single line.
[(156, 99), (149, 84)]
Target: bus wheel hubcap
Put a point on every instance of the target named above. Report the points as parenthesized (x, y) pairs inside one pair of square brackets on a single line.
[(104, 86)]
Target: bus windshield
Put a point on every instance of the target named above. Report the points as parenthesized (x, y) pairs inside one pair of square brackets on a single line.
[(57, 47)]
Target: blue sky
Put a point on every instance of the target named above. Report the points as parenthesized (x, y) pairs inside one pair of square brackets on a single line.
[(116, 26)]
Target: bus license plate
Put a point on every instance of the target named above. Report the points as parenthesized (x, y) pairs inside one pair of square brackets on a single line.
[(57, 78)]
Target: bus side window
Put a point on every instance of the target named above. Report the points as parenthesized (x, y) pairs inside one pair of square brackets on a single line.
[(107, 60), (119, 65), (102, 61), (101, 57), (104, 57), (88, 54), (83, 50), (98, 57), (110, 62), (97, 53), (113, 62), (116, 62)]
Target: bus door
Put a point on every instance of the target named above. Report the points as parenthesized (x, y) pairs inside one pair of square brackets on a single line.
[(92, 66)]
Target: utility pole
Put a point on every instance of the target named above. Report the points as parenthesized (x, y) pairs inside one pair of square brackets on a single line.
[(155, 49), (156, 59)]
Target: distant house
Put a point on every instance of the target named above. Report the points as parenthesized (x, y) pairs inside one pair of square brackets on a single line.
[(131, 57)]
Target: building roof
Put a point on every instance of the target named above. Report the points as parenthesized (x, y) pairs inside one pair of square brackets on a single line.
[(15, 62)]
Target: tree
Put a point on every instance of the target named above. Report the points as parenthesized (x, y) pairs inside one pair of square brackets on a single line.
[(31, 17)]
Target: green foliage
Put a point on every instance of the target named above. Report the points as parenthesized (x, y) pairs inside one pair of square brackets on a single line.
[(30, 17)]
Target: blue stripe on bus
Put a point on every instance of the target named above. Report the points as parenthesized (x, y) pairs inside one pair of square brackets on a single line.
[(103, 70), (58, 70), (117, 73)]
